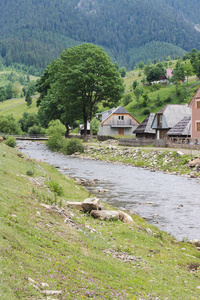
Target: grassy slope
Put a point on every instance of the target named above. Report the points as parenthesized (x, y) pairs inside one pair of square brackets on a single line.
[(17, 106), (37, 243)]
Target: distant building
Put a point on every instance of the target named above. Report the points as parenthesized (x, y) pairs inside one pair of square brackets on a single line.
[(117, 121), (195, 115), (168, 117), (182, 129), (81, 128), (144, 130)]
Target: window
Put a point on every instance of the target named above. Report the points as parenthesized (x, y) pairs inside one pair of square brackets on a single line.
[(198, 126), (198, 104), (159, 120), (121, 118)]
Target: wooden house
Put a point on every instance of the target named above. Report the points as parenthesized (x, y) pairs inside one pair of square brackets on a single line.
[(144, 130), (182, 129), (118, 122), (195, 115), (168, 117), (81, 128)]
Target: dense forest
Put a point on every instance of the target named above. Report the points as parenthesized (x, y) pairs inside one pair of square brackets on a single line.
[(35, 31)]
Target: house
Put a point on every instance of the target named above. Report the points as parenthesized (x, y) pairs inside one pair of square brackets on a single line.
[(118, 122), (182, 129), (195, 115), (81, 128), (144, 130), (168, 117)]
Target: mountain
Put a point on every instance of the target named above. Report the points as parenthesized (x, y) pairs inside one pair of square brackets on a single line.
[(33, 32)]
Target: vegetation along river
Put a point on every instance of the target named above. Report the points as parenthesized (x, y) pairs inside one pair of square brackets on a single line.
[(168, 201)]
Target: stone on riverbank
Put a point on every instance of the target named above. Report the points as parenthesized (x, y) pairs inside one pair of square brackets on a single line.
[(105, 214), (125, 217), (90, 204)]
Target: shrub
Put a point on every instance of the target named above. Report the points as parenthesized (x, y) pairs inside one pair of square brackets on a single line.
[(146, 111), (35, 129), (55, 126), (73, 145), (9, 125), (55, 143), (11, 141), (55, 187)]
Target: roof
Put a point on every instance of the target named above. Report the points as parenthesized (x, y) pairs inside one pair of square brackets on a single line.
[(121, 111), (169, 73), (173, 113), (182, 128), (145, 126), (196, 96)]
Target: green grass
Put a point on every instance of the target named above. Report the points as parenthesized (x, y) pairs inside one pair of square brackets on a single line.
[(36, 243), (17, 106)]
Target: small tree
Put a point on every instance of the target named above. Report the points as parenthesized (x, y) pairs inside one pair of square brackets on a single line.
[(188, 69), (141, 65), (178, 73), (138, 92), (122, 71), (94, 125), (28, 98), (135, 84)]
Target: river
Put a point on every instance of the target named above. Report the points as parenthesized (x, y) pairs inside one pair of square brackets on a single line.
[(170, 202)]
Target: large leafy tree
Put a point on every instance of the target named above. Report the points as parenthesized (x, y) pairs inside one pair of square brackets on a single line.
[(154, 73), (76, 82)]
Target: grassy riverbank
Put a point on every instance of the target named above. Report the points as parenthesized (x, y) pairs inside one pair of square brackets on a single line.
[(58, 249), (166, 160)]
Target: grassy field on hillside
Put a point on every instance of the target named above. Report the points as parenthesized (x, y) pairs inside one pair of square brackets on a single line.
[(17, 106), (45, 246)]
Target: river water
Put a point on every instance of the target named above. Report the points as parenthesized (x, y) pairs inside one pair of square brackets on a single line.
[(175, 200)]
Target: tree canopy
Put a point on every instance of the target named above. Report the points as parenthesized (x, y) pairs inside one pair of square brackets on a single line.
[(74, 84)]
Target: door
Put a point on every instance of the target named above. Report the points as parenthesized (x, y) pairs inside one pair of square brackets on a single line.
[(121, 131)]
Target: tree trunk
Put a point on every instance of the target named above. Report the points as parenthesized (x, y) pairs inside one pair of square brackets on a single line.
[(91, 135), (67, 131)]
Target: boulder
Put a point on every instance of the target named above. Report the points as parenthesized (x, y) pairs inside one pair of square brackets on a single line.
[(90, 204), (195, 242), (105, 214), (125, 217), (194, 162), (75, 205)]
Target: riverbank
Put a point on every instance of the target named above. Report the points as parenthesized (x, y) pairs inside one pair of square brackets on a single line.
[(51, 251), (171, 161)]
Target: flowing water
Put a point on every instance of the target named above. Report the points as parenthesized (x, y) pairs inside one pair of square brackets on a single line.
[(170, 202)]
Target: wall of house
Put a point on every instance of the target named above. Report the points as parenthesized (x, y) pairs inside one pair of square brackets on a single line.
[(114, 120), (108, 130), (195, 118)]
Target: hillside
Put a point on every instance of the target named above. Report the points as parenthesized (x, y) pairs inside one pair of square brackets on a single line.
[(34, 32), (49, 250)]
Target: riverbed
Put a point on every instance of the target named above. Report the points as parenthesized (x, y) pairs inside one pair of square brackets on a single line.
[(170, 202)]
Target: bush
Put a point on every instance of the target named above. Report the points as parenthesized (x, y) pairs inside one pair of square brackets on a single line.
[(146, 111), (56, 142), (11, 141), (55, 126), (9, 125), (35, 129), (55, 187), (73, 145)]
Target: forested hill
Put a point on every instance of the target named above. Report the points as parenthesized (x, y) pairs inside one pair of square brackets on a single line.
[(35, 31)]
